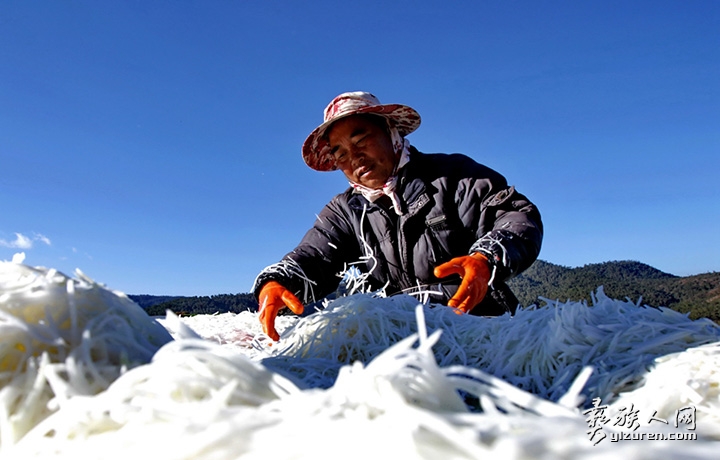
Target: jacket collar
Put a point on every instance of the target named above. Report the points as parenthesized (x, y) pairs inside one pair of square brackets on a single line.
[(410, 187)]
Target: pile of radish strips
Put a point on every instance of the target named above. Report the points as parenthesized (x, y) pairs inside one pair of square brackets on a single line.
[(232, 394), (61, 338)]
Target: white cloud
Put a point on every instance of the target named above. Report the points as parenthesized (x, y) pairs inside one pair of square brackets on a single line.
[(23, 242), (43, 238)]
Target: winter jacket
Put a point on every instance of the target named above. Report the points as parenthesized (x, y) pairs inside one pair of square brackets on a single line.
[(453, 206)]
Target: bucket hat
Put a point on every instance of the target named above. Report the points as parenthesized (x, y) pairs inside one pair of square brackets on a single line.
[(316, 151)]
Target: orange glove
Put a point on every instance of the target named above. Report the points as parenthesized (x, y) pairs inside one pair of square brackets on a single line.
[(273, 297), (475, 273)]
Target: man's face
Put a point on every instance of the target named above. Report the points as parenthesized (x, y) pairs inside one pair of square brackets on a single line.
[(362, 150)]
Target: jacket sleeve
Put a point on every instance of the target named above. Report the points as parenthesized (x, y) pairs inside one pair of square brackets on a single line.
[(509, 229), (312, 270)]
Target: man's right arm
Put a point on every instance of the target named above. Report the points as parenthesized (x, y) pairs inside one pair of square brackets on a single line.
[(310, 271)]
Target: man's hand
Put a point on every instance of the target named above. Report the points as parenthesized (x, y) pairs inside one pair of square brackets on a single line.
[(475, 273), (273, 297)]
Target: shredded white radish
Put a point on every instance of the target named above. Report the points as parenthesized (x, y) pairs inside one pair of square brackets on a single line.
[(367, 376), (61, 338)]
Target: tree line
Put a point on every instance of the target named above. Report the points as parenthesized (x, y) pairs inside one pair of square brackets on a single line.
[(698, 295), (199, 305)]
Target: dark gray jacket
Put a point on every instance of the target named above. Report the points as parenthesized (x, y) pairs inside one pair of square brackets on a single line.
[(453, 206)]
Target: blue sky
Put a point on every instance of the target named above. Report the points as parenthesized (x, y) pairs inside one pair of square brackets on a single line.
[(155, 145)]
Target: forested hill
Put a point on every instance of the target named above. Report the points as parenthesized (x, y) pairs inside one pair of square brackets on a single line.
[(200, 305), (698, 294)]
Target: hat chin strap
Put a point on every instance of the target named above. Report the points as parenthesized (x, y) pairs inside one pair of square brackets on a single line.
[(401, 146)]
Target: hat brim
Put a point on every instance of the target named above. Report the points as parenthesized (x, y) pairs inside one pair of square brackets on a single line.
[(316, 151)]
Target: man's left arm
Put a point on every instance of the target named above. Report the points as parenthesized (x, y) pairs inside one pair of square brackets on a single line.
[(507, 227), (510, 234)]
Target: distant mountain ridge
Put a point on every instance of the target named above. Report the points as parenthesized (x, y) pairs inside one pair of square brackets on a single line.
[(147, 300), (698, 295), (198, 305)]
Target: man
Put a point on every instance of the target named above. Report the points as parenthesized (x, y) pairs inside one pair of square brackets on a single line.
[(433, 223)]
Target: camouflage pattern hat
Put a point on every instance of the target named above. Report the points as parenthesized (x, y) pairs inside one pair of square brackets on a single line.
[(316, 151)]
